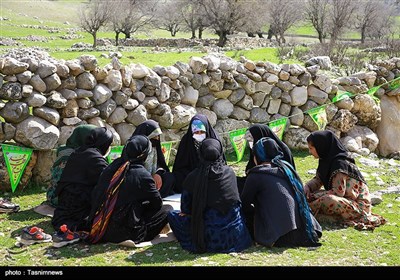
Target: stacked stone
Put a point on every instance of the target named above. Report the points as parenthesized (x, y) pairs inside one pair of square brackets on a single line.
[(42, 101)]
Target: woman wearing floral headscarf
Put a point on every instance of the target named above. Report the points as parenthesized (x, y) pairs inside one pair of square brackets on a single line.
[(187, 157), (126, 204)]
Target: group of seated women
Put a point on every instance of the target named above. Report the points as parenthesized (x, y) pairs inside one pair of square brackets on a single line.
[(220, 212)]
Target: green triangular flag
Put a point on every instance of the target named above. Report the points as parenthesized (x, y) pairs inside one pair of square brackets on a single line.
[(16, 159), (238, 142), (393, 84), (115, 153), (319, 116), (372, 91), (342, 94), (166, 150), (278, 127)]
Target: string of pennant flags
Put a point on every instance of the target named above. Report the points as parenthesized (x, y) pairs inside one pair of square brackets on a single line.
[(17, 158)]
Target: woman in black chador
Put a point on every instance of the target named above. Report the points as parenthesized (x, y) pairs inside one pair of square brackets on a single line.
[(126, 204), (274, 201), (211, 218), (187, 157), (78, 179), (155, 162)]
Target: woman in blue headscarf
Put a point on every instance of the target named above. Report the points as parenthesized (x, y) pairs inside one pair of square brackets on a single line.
[(255, 133), (187, 157), (280, 216)]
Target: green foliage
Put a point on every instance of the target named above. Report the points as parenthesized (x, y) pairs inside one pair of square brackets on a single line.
[(340, 246)]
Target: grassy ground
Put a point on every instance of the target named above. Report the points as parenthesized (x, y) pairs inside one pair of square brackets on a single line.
[(340, 246)]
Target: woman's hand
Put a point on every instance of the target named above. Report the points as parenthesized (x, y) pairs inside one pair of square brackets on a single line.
[(158, 180)]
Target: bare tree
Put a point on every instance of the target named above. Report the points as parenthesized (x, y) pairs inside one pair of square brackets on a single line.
[(316, 13), (225, 16), (341, 15), (383, 24), (129, 16), (366, 15), (283, 14), (259, 19), (169, 16), (95, 15), (193, 17)]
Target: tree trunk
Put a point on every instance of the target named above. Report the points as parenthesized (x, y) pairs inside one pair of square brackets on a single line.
[(201, 32), (127, 35), (270, 34), (222, 38), (193, 34), (260, 34), (321, 37), (362, 35), (116, 38), (94, 34), (334, 37)]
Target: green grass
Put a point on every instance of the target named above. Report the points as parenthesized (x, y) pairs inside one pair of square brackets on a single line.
[(135, 56), (264, 54), (340, 246), (302, 28), (54, 11)]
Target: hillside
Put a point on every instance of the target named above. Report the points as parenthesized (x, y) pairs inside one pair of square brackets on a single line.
[(57, 10)]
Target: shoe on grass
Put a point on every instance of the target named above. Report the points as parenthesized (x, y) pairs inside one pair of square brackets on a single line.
[(6, 206), (34, 234), (64, 237)]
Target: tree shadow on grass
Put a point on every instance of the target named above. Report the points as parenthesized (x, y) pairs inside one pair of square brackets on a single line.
[(25, 215)]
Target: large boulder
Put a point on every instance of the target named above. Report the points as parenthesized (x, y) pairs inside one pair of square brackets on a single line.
[(388, 130), (37, 133)]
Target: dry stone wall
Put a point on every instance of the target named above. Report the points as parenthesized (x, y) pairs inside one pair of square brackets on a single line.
[(43, 100)]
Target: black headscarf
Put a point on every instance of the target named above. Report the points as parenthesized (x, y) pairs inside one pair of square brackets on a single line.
[(187, 157), (99, 138), (333, 158), (259, 131), (135, 151), (213, 185), (146, 128), (87, 162)]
